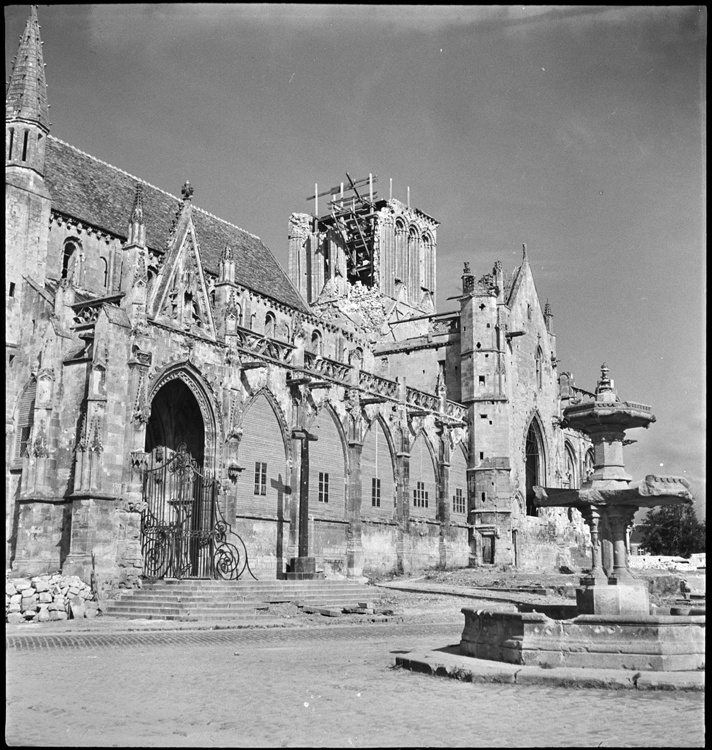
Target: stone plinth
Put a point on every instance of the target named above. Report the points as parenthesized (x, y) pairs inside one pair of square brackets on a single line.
[(302, 569), (629, 598), (592, 641)]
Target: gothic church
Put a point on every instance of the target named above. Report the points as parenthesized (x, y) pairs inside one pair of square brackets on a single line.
[(180, 406)]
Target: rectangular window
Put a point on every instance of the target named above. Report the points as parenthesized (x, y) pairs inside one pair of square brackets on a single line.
[(376, 492), (458, 501), (260, 478), (420, 495), (323, 487), (12, 289)]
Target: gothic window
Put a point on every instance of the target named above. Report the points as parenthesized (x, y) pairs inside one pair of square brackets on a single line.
[(10, 143), (25, 144), (534, 465), (570, 479), (413, 280), (401, 251), (69, 260), (317, 345), (426, 249), (538, 364), (25, 418), (458, 501), (270, 325), (105, 272), (588, 465)]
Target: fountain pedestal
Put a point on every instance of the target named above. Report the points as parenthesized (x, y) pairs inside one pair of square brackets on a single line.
[(613, 627)]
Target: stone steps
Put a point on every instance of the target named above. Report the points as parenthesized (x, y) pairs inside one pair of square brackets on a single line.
[(196, 600)]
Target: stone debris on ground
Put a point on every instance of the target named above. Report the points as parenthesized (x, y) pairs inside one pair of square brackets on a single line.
[(48, 598)]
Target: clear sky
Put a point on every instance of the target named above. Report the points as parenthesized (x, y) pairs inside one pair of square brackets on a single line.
[(578, 130)]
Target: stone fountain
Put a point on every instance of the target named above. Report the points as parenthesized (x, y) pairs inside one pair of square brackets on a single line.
[(613, 626)]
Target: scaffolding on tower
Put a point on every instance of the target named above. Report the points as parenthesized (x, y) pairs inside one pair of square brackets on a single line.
[(352, 208)]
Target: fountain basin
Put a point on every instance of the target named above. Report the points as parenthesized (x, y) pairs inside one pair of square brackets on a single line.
[(645, 642)]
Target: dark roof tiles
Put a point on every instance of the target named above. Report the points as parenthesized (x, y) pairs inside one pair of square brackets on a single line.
[(102, 195)]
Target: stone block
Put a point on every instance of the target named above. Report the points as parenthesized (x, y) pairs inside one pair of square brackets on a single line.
[(61, 615), (10, 589), (43, 615), (620, 599), (40, 584), (85, 594), (53, 614), (14, 607), (21, 584), (28, 604), (29, 616), (89, 613), (366, 605), (45, 597), (14, 618), (76, 607), (16, 599)]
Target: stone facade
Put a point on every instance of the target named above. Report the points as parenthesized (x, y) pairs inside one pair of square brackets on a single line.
[(138, 323)]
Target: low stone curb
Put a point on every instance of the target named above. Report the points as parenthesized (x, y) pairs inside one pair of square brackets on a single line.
[(514, 597), (469, 669)]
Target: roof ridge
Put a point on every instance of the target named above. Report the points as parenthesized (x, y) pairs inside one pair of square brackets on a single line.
[(145, 182)]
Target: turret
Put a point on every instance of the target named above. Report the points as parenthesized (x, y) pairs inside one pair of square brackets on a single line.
[(27, 200)]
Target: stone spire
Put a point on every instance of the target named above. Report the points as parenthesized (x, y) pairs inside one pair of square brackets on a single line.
[(26, 94)]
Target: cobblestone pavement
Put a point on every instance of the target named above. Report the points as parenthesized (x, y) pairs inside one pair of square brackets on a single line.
[(329, 686)]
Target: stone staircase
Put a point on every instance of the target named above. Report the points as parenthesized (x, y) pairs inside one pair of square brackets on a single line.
[(201, 600)]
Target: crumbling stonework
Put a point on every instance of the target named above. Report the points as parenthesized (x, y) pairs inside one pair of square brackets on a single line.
[(48, 597)]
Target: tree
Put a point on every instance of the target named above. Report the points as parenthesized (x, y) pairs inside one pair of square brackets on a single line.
[(673, 530)]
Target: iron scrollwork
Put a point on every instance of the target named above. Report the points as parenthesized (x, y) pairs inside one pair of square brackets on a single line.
[(183, 531)]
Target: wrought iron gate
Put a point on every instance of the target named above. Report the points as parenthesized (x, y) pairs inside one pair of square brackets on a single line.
[(183, 531)]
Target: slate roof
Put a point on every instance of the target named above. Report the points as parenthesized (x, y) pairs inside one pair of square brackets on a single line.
[(99, 194)]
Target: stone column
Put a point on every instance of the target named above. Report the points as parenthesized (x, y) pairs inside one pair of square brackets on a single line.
[(619, 517), (592, 517)]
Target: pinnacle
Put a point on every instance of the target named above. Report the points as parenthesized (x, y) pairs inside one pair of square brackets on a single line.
[(26, 94)]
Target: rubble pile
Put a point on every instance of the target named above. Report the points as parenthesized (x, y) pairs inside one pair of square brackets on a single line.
[(48, 597)]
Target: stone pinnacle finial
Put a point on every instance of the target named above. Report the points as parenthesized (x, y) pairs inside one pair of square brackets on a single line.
[(524, 251), (187, 191), (604, 387), (137, 212)]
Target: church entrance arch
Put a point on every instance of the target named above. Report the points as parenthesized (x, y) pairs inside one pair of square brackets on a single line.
[(183, 531)]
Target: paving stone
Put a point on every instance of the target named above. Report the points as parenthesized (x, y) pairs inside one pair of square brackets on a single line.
[(578, 678)]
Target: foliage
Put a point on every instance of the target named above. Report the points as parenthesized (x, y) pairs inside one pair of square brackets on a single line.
[(673, 530)]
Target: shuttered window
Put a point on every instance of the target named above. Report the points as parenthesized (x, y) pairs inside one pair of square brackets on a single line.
[(261, 451), (25, 418)]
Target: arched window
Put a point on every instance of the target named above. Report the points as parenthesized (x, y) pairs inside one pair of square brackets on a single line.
[(25, 418), (69, 260), (10, 143), (539, 364), (270, 325), (426, 249), (588, 465), (534, 465), (413, 280), (570, 479), (317, 345), (401, 251), (105, 271)]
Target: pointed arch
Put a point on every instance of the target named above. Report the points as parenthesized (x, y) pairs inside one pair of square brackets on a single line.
[(534, 461), (571, 476), (378, 469), (207, 404), (539, 366)]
